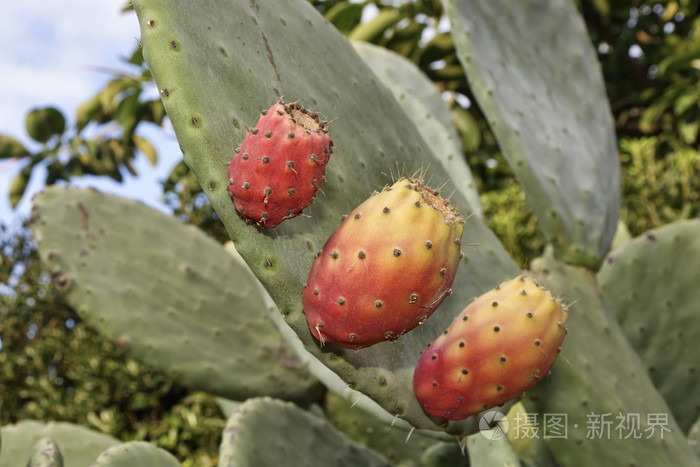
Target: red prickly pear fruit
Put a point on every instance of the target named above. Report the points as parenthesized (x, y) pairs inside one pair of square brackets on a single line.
[(386, 268), (280, 164), (502, 344)]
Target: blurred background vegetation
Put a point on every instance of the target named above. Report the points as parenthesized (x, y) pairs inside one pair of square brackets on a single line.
[(53, 367)]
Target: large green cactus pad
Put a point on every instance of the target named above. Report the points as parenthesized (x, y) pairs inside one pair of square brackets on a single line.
[(217, 64), (45, 453), (422, 102), (598, 383), (265, 431), (651, 286), (135, 453), (694, 437), (168, 292), (402, 448), (535, 74), (78, 445), (490, 448)]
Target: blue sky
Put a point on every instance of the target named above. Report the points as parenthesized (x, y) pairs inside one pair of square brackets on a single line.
[(51, 54)]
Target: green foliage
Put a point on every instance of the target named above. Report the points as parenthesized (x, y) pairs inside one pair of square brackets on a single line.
[(44, 123), (102, 140), (507, 213), (658, 188)]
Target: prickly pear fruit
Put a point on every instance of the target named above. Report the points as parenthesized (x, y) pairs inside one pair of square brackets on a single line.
[(386, 268), (502, 344), (280, 165)]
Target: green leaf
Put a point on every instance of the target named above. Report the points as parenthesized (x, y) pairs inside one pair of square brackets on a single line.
[(87, 111), (44, 123), (468, 127), (19, 185), (10, 147), (375, 28), (345, 15), (145, 146)]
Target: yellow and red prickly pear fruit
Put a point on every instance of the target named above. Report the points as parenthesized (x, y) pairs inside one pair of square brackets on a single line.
[(386, 268), (502, 344), (280, 165)]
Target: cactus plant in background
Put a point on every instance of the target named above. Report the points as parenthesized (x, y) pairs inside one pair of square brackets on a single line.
[(218, 64), (77, 445)]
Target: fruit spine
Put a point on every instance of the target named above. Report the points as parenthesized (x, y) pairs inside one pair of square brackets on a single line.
[(502, 344), (386, 268), (280, 165)]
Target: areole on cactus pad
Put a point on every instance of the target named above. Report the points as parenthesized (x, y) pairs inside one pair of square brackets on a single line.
[(502, 344), (280, 165), (386, 268)]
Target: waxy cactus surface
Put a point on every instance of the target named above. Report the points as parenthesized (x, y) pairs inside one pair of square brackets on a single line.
[(280, 165), (502, 344)]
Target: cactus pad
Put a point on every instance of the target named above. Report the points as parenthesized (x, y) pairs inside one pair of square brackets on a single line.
[(421, 101), (535, 74), (599, 383), (263, 431), (78, 445), (399, 446), (167, 292), (45, 453), (651, 286), (135, 453)]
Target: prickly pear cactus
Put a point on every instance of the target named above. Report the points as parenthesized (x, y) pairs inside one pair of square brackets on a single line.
[(135, 453), (490, 447), (167, 292), (402, 448), (420, 100), (77, 445), (216, 66), (606, 407), (661, 322), (219, 63), (535, 74), (263, 431), (45, 453)]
